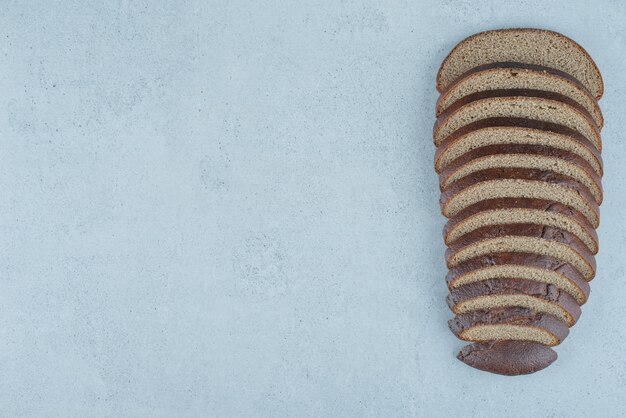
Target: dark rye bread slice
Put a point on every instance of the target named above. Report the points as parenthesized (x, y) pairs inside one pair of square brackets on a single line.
[(509, 358), (509, 324), (528, 104), (518, 211), (523, 156), (536, 267), (513, 75), (524, 45), (519, 183), (520, 293), (537, 239), (515, 131)]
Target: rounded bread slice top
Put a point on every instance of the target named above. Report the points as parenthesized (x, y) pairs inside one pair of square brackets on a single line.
[(509, 324), (530, 266), (513, 75), (525, 45), (515, 131), (519, 183), (554, 241), (524, 156), (519, 211), (493, 294), (540, 106), (509, 358)]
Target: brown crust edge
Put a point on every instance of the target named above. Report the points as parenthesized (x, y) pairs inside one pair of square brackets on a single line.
[(497, 95), (515, 123), (521, 203), (524, 230), (509, 358), (439, 84), (521, 317), (517, 149), (497, 66), (532, 289)]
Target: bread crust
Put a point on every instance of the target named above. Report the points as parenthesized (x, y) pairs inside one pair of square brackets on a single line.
[(597, 89), (527, 288), (523, 204), (538, 70), (539, 262), (523, 128), (509, 358)]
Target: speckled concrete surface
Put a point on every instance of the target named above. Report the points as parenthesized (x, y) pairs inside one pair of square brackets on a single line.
[(229, 209)]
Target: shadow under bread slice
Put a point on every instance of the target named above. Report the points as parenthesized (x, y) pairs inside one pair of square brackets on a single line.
[(514, 293), (526, 238), (519, 211), (529, 104), (513, 131), (523, 156), (529, 266), (525, 45), (514, 75), (519, 183), (509, 324), (509, 358)]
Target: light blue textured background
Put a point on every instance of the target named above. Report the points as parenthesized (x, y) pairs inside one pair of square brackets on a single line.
[(229, 209)]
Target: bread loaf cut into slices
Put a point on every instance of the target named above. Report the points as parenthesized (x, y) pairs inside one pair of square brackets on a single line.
[(539, 268), (509, 324), (494, 294), (515, 131), (554, 160), (509, 358), (519, 183), (512, 75), (531, 238), (528, 46), (520, 211), (553, 110)]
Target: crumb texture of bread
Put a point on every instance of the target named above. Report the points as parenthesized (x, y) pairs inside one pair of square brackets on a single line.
[(523, 77), (510, 132), (535, 108), (524, 45)]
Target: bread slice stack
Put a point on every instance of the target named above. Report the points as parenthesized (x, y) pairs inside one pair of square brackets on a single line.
[(518, 157)]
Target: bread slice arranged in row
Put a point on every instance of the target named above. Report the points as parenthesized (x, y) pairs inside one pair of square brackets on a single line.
[(519, 161)]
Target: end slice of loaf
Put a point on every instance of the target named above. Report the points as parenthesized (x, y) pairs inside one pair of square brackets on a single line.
[(520, 211), (513, 75), (511, 293), (519, 183), (559, 162), (529, 266), (509, 324), (539, 106), (524, 45), (509, 358), (515, 131)]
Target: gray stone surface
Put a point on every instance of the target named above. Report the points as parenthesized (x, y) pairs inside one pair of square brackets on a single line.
[(229, 209)]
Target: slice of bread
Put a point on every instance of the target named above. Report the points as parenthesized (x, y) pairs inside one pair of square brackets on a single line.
[(515, 131), (539, 106), (509, 358), (512, 75), (519, 183), (519, 211), (509, 324), (554, 160), (524, 45), (530, 238), (539, 268), (494, 294)]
